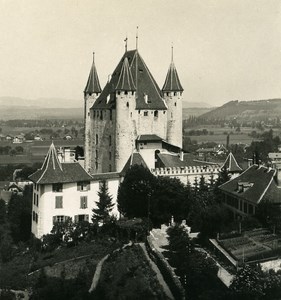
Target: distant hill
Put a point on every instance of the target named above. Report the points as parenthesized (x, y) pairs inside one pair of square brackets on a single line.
[(248, 110), (42, 108), (41, 102)]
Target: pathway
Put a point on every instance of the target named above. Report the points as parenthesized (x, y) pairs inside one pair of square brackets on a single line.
[(158, 273)]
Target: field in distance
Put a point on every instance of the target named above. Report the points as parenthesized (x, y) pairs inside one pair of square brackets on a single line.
[(219, 135)]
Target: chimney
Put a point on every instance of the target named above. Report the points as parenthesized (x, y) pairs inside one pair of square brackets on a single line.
[(181, 155)]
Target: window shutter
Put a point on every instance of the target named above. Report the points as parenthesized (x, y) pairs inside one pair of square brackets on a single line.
[(54, 219), (76, 218), (87, 218)]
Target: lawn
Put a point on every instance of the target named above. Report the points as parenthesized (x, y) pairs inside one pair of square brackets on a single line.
[(14, 274)]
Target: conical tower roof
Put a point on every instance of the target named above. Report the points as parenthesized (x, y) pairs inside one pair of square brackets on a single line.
[(231, 164), (125, 82), (172, 82), (52, 171), (143, 80), (51, 167), (93, 84)]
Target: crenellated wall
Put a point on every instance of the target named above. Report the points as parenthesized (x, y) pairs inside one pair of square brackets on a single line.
[(188, 174)]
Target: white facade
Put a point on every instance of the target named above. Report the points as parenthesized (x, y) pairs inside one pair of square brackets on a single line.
[(73, 205)]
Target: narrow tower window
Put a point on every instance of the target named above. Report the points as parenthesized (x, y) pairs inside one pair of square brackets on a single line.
[(175, 103), (97, 139), (156, 114), (110, 115), (127, 104), (110, 140)]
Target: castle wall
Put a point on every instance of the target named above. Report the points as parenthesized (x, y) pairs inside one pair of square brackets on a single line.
[(174, 118), (126, 130), (71, 204), (103, 141), (188, 174), (89, 100), (147, 123)]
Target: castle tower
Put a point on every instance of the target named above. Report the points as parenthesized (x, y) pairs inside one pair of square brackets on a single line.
[(91, 93), (130, 104), (172, 92), (125, 107)]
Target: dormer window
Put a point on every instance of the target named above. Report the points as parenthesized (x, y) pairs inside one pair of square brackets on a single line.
[(145, 98)]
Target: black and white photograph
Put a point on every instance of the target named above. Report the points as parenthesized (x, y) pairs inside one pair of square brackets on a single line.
[(140, 150)]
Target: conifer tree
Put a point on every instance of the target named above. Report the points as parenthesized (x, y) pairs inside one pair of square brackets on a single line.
[(104, 205)]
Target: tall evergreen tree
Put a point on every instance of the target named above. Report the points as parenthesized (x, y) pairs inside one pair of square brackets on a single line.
[(104, 205)]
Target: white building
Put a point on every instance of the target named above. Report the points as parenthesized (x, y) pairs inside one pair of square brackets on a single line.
[(65, 189)]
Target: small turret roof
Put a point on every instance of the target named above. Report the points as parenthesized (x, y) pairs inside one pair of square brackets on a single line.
[(93, 84), (52, 171), (172, 82), (231, 164), (125, 82)]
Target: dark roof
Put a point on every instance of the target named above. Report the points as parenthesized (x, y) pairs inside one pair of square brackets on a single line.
[(231, 164), (149, 137), (258, 177), (189, 160), (134, 159), (93, 84), (172, 82), (144, 82), (125, 81), (52, 171)]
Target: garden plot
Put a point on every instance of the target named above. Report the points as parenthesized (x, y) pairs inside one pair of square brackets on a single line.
[(253, 245)]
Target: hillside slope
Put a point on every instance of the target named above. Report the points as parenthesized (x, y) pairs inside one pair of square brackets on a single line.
[(248, 110)]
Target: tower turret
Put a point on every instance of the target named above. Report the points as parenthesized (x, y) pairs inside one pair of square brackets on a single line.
[(172, 92), (91, 93), (125, 108)]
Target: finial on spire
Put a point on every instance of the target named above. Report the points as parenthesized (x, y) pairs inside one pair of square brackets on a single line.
[(126, 43), (172, 58), (137, 37), (93, 57)]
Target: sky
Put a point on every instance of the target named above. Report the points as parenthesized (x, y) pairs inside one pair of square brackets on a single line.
[(223, 49)]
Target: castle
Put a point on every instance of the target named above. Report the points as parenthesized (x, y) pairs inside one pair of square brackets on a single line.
[(130, 110), (131, 121)]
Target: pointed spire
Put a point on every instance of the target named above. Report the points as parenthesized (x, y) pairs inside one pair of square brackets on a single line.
[(137, 37), (126, 43), (93, 84), (125, 81), (51, 160), (172, 82), (231, 164)]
